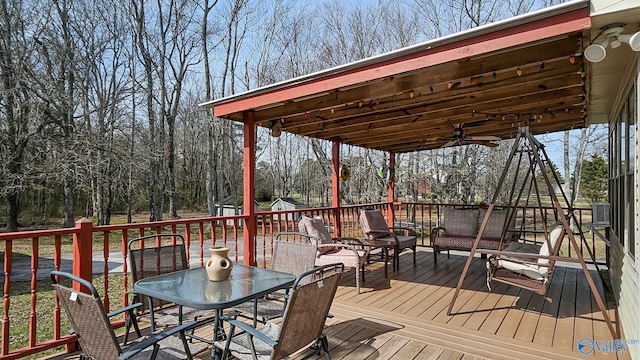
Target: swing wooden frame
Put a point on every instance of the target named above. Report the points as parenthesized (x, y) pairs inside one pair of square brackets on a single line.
[(526, 144)]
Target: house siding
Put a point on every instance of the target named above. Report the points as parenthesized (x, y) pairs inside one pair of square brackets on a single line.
[(624, 278), (625, 202)]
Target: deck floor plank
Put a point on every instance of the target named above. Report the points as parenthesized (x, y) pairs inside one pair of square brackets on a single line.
[(545, 331), (390, 349), (488, 304), (567, 310), (497, 317), (399, 284), (409, 351), (407, 289), (461, 310), (440, 283), (370, 348), (583, 326), (431, 352)]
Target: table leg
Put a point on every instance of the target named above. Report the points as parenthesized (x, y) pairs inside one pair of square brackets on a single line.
[(255, 313), (396, 258), (385, 253), (218, 334)]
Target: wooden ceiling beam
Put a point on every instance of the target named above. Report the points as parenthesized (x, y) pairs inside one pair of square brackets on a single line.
[(437, 77), (519, 35), (520, 102), (500, 128), (552, 78), (417, 145)]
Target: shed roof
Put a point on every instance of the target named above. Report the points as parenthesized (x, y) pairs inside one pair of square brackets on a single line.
[(288, 200)]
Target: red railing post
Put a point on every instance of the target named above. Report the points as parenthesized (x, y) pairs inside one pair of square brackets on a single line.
[(335, 188), (249, 191), (391, 189), (82, 251)]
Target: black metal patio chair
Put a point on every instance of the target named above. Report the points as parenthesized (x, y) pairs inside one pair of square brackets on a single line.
[(96, 336)]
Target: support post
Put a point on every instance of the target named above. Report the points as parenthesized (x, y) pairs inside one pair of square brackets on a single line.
[(335, 187), (249, 194), (391, 186), (82, 252)]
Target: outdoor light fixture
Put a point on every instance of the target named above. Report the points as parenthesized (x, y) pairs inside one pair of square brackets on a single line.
[(612, 36), (276, 128)]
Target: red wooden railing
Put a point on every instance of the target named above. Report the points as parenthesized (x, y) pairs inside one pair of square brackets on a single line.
[(200, 234)]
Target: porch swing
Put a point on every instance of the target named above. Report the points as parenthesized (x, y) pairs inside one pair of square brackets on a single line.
[(524, 264)]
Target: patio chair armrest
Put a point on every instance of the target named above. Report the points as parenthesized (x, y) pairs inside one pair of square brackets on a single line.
[(309, 238), (157, 337), (134, 294), (349, 241), (385, 233), (409, 231), (250, 330), (124, 309), (344, 246)]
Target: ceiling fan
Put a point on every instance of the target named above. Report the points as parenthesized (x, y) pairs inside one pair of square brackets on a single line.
[(458, 138)]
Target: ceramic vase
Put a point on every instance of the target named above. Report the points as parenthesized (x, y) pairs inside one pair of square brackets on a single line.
[(219, 265)]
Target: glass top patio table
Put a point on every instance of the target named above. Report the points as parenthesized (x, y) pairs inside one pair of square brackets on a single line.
[(192, 287)]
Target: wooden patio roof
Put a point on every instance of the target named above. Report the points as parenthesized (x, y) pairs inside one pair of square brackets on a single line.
[(527, 69)]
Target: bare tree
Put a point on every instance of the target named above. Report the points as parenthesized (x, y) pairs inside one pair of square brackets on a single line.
[(588, 139), (156, 126), (57, 85), (20, 120), (207, 7), (104, 88), (178, 47)]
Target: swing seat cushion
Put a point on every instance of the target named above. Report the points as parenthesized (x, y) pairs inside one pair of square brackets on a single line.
[(460, 222), (536, 269), (519, 265), (460, 228)]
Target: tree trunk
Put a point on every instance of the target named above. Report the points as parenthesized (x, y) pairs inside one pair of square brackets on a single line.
[(210, 185), (68, 201), (210, 169), (171, 167), (12, 210)]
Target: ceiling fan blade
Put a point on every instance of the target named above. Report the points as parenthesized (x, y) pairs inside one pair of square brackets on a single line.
[(486, 143), (485, 138), (451, 143)]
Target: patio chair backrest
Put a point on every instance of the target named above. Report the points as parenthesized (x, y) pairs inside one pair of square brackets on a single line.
[(88, 318), (315, 228), (307, 310), (293, 257), (373, 224), (148, 259)]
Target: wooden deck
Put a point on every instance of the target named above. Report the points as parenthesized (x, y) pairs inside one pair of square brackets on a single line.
[(404, 316), (505, 323)]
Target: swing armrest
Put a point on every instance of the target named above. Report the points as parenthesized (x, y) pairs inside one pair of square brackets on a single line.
[(518, 257), (435, 232)]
